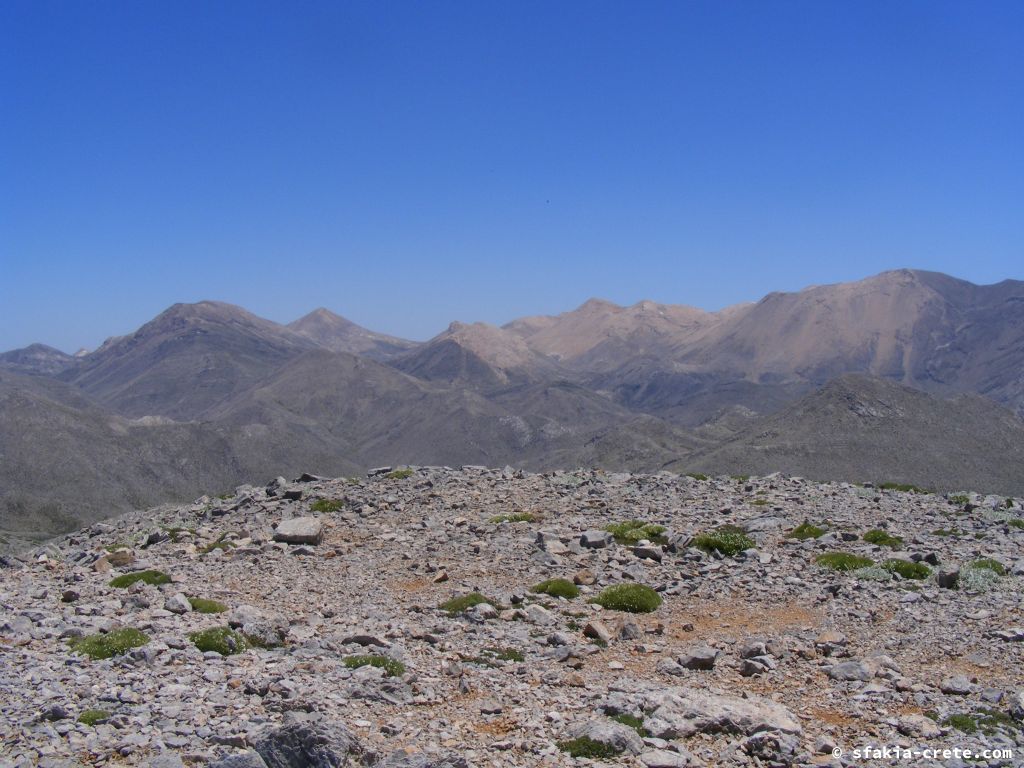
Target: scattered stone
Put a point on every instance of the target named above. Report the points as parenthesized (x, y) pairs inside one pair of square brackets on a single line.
[(299, 530)]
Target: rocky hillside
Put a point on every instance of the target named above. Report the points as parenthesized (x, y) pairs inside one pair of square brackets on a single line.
[(474, 617)]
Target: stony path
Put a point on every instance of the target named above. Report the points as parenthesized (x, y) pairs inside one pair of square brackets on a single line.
[(763, 657)]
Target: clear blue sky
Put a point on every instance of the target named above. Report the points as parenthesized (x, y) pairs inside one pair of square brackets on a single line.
[(410, 163)]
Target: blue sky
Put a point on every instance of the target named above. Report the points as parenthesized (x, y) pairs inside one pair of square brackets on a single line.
[(408, 163)]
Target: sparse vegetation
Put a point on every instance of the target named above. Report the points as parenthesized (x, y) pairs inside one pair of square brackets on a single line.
[(634, 722), (146, 577), (327, 505), (587, 747), (398, 474), (391, 667), (806, 530), (92, 717), (988, 564), (504, 654), (175, 532), (202, 605), (557, 588), (843, 561), (462, 604), (220, 543), (1016, 523), (906, 569), (109, 644), (697, 475), (222, 640), (960, 499), (882, 538), (632, 532), (873, 573), (727, 539), (514, 517), (632, 598), (904, 487)]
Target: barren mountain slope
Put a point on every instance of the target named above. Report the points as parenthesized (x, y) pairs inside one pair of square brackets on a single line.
[(367, 413), (186, 360), (481, 356), (859, 429), (65, 461), (36, 359), (338, 334)]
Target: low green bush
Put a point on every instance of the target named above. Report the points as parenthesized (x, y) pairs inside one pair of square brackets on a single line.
[(93, 717), (463, 603), (873, 573), (906, 569), (728, 539), (202, 605), (631, 532), (327, 505), (807, 530), (105, 645), (391, 667), (222, 640), (882, 538), (632, 598), (843, 561), (988, 564), (146, 577), (634, 722), (398, 474), (587, 747), (557, 588)]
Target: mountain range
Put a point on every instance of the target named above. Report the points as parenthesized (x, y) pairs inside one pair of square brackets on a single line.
[(908, 376)]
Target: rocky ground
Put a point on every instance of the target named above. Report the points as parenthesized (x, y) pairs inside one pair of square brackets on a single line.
[(762, 657)]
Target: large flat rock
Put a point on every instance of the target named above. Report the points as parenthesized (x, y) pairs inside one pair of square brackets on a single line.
[(300, 530)]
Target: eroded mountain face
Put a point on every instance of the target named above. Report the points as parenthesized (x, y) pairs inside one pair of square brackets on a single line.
[(208, 395)]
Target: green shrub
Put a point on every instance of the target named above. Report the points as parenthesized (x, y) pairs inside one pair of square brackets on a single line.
[(634, 722), (1016, 523), (327, 505), (907, 570), (504, 654), (584, 746), (988, 564), (882, 538), (727, 539), (697, 475), (963, 723), (93, 717), (109, 644), (557, 588), (632, 598), (222, 640), (146, 577), (462, 604), (391, 667), (202, 605), (632, 532), (806, 531), (960, 499), (515, 517), (399, 474), (977, 579), (843, 561), (873, 573)]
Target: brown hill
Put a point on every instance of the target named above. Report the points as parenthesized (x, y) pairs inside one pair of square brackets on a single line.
[(333, 332)]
